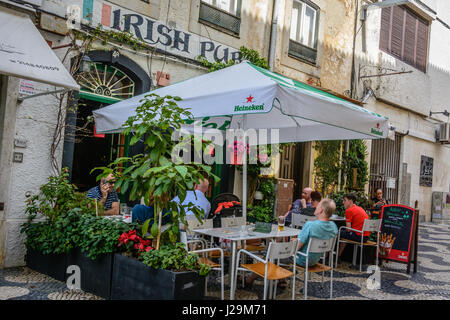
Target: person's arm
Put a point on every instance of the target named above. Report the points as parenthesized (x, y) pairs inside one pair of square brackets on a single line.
[(114, 209)]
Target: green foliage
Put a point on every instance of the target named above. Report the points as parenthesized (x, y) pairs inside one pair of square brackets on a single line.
[(157, 175), (98, 235), (262, 210), (75, 229), (362, 200), (327, 165), (175, 258), (56, 198), (355, 158), (246, 54)]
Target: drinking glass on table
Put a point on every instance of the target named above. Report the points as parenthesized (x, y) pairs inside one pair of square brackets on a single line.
[(280, 223)]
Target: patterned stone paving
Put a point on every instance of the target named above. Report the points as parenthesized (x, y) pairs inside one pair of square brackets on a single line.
[(431, 282)]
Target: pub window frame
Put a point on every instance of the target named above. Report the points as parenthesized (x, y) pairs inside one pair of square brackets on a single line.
[(223, 15), (297, 48)]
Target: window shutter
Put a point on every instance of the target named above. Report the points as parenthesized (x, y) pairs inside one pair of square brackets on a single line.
[(422, 45), (385, 28), (397, 31), (409, 47)]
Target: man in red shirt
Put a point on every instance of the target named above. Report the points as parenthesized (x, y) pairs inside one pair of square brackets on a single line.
[(354, 218)]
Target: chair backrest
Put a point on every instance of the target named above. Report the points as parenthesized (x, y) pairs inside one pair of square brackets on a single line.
[(298, 220), (222, 197), (372, 225), (232, 222), (282, 250), (193, 223), (320, 245)]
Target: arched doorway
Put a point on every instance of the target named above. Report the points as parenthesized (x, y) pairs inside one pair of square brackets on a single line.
[(104, 78)]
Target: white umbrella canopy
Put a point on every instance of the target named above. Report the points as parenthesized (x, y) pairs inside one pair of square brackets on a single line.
[(251, 97), (272, 101)]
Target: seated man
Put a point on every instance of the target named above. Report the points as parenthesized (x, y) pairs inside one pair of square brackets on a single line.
[(198, 198), (142, 213), (106, 195), (321, 228), (316, 197), (354, 218), (297, 205), (378, 201)]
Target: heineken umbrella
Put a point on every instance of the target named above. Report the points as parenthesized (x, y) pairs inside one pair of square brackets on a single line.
[(251, 97)]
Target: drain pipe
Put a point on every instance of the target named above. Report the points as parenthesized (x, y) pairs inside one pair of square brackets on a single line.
[(273, 34)]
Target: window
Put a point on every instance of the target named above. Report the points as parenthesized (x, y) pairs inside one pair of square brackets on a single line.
[(404, 35), (224, 14), (304, 27)]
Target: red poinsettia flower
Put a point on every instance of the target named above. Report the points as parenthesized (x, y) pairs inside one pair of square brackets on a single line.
[(148, 249)]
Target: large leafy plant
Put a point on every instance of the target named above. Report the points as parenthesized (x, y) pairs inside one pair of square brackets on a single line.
[(262, 210), (57, 197), (153, 175)]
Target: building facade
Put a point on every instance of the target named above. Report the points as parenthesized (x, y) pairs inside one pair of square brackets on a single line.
[(322, 42), (401, 72)]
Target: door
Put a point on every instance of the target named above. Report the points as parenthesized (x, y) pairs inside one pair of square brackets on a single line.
[(385, 167)]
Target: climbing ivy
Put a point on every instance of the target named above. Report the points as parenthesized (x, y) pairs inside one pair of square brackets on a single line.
[(327, 165), (246, 54)]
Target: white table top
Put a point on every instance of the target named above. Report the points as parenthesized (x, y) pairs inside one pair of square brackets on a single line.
[(234, 233)]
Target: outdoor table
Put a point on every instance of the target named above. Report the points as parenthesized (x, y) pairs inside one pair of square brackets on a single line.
[(235, 234)]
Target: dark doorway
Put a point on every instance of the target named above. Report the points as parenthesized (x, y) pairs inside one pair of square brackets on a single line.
[(90, 151)]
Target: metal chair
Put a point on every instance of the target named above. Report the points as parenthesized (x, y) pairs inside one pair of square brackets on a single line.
[(205, 260), (193, 223), (268, 270), (369, 225), (316, 245), (298, 220)]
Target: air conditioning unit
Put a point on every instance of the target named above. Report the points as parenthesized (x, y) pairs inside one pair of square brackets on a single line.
[(444, 132)]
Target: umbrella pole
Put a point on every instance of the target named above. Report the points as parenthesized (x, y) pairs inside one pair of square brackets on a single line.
[(244, 172)]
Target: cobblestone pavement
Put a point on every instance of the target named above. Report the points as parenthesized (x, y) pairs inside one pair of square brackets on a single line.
[(431, 282)]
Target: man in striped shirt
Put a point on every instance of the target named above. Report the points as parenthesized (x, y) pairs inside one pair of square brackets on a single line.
[(106, 195)]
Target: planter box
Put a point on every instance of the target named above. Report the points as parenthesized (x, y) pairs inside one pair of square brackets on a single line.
[(53, 265), (133, 280), (96, 274)]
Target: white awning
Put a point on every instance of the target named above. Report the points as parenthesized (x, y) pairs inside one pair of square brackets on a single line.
[(25, 54)]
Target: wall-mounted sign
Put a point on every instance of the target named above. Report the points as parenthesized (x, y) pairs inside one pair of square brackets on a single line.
[(426, 171), (158, 34), (20, 143)]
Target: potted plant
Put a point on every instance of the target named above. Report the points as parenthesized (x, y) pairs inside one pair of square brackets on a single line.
[(95, 242), (160, 175), (47, 241)]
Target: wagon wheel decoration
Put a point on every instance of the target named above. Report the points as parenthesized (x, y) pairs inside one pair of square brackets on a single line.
[(105, 80)]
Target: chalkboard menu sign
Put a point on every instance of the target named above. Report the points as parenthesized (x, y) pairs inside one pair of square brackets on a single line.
[(396, 232)]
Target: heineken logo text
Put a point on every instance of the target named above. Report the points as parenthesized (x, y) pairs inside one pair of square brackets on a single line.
[(252, 107)]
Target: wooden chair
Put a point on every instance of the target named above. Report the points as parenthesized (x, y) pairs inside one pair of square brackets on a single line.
[(316, 245), (369, 225), (268, 270), (205, 260)]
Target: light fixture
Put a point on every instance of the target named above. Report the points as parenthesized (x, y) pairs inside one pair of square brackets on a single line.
[(445, 113), (382, 4)]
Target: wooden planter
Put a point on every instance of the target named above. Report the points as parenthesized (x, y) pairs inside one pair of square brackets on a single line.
[(133, 280), (53, 265), (96, 274)]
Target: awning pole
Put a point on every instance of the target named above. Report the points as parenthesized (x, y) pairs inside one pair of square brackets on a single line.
[(244, 172), (20, 99)]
